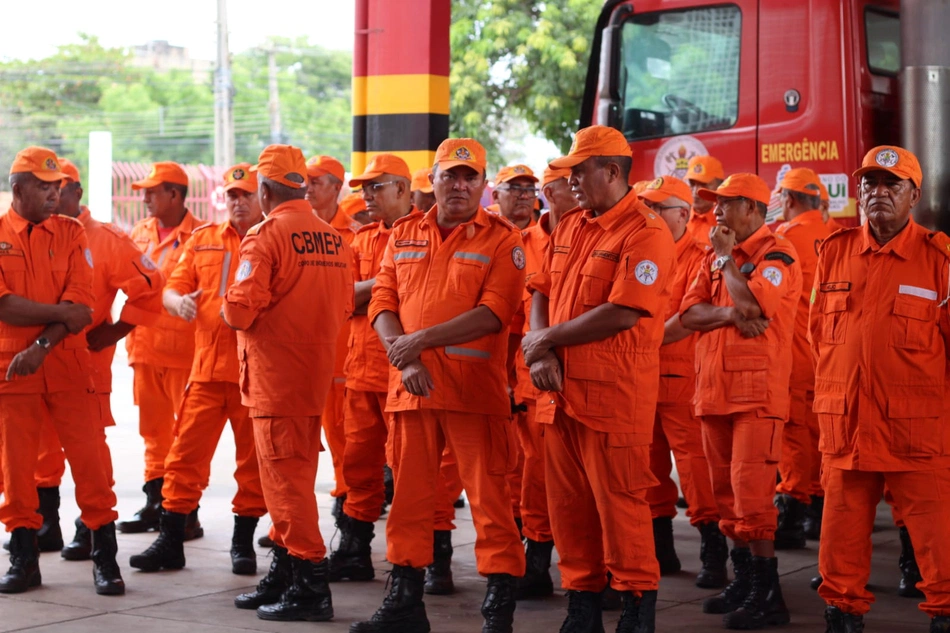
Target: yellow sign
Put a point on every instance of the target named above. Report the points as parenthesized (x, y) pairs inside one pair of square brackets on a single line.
[(802, 151)]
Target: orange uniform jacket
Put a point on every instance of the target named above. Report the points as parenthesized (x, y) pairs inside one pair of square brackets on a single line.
[(367, 366), (347, 228), (536, 239), (119, 265), (805, 232), (736, 374), (170, 343), (881, 333), (48, 263), (292, 292), (700, 224), (209, 262), (678, 359), (426, 281), (624, 257)]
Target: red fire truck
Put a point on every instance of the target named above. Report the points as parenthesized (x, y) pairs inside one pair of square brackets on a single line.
[(766, 85)]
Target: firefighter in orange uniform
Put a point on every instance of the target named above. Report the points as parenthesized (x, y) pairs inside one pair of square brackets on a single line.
[(676, 427), (385, 189), (536, 524), (880, 330), (46, 300), (325, 176), (744, 305), (596, 328), (161, 355), (800, 465), (292, 292), (515, 193), (450, 282), (703, 172), (194, 293), (422, 196), (119, 265)]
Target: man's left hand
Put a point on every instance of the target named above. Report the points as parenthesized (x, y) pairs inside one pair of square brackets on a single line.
[(404, 349), (105, 335), (534, 346)]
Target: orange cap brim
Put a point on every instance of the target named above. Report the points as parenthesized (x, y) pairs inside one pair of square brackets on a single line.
[(708, 194), (452, 164), (566, 162), (364, 178), (148, 183), (243, 185), (49, 176), (903, 176), (658, 195)]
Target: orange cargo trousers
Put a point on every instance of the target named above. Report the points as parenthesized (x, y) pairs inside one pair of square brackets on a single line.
[(75, 417), (743, 451), (51, 463), (800, 465), (515, 474), (844, 558), (205, 409), (158, 392), (597, 485), (677, 429), (536, 525), (334, 430), (481, 447), (288, 450)]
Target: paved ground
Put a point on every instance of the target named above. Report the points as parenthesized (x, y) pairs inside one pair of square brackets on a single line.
[(199, 598)]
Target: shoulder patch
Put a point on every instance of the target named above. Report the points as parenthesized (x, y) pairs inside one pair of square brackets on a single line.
[(785, 258)]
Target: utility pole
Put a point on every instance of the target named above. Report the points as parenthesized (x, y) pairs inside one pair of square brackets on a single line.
[(273, 103), (223, 113)]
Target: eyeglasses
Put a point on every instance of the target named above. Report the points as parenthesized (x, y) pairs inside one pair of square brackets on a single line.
[(520, 192), (374, 187)]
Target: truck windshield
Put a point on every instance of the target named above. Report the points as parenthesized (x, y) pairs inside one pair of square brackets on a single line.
[(680, 71)]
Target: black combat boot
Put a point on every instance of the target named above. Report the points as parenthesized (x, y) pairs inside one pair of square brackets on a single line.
[(266, 541), (763, 605), (639, 613), (610, 598), (910, 573), (243, 556), (24, 572), (663, 543), (193, 527), (536, 582), (352, 559), (167, 552), (583, 613), (439, 573), (735, 592), (940, 624), (813, 513), (790, 533), (389, 489), (713, 552), (269, 590), (50, 536), (403, 610), (337, 510), (498, 608), (148, 518), (306, 599), (105, 569), (840, 622), (81, 546)]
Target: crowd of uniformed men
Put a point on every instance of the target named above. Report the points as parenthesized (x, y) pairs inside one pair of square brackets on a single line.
[(549, 365)]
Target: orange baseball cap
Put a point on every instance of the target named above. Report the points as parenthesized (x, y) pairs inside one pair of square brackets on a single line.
[(550, 175), (704, 169), (277, 162), (740, 186), (823, 192), (40, 162), (321, 165), (383, 164), (511, 172), (894, 160), (596, 140), (640, 185), (353, 203), (461, 152), (802, 180), (420, 181), (162, 172), (70, 171), (240, 176), (667, 187)]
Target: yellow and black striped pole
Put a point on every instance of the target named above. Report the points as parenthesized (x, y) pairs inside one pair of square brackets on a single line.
[(400, 80)]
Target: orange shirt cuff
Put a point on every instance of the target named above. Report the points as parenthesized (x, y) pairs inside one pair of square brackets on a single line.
[(238, 317), (541, 282), (498, 305), (767, 296), (137, 316), (378, 305), (634, 295), (77, 296)]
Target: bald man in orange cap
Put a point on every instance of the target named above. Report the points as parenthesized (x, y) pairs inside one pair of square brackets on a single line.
[(286, 341), (703, 172), (743, 303), (161, 354), (676, 427), (194, 293)]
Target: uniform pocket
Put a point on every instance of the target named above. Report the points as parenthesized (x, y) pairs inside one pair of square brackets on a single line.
[(915, 426), (366, 266), (834, 318), (600, 387), (467, 273), (627, 459), (597, 277), (410, 271), (746, 373), (913, 326), (833, 435)]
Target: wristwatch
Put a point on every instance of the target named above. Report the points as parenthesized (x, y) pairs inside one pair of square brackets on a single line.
[(722, 261), (43, 342)]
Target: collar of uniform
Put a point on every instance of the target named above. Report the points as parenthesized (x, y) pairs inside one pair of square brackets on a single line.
[(480, 218), (808, 217), (20, 223), (900, 244), (708, 218), (226, 227), (187, 225), (291, 206), (617, 213), (751, 244), (85, 216)]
